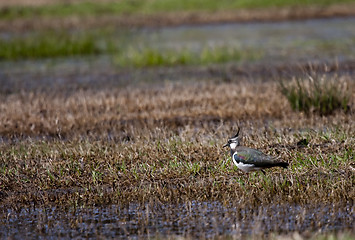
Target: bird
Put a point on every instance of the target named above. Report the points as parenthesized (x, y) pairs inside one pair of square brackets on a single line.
[(249, 159)]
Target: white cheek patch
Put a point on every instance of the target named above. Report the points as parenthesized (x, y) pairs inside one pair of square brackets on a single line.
[(233, 145)]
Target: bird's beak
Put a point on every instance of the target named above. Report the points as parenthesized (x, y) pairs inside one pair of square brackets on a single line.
[(226, 145)]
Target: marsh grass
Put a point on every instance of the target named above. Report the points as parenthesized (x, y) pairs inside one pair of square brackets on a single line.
[(148, 57), (125, 52), (120, 160), (108, 172), (65, 44), (54, 44), (318, 94), (164, 145)]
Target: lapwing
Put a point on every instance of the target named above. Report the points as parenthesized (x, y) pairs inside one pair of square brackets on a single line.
[(249, 159)]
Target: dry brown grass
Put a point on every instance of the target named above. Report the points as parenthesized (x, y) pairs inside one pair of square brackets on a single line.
[(36, 114), (163, 144), (114, 111)]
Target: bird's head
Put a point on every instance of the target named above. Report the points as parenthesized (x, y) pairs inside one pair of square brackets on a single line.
[(233, 142)]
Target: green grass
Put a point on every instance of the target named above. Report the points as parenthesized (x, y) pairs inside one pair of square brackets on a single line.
[(90, 8), (148, 57), (52, 44), (64, 44), (317, 94)]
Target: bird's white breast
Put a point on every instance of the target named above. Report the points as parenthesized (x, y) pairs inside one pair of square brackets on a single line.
[(247, 167)]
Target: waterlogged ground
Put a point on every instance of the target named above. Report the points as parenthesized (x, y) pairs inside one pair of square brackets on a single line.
[(296, 43), (277, 40), (73, 123), (192, 220)]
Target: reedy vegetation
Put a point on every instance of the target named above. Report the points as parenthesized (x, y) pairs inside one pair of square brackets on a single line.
[(319, 94)]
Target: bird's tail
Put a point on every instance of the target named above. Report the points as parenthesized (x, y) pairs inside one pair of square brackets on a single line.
[(282, 164)]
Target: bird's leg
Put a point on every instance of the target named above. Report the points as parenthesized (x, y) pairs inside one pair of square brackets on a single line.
[(263, 171)]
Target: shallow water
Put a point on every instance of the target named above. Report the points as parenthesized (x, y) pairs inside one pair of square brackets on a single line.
[(301, 38), (193, 219), (314, 39)]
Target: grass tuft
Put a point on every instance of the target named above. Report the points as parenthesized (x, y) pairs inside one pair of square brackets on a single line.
[(317, 94)]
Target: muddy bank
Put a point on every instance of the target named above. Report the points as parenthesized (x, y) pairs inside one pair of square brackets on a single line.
[(103, 76)]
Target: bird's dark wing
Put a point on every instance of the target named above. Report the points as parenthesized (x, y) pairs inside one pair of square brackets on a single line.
[(255, 157)]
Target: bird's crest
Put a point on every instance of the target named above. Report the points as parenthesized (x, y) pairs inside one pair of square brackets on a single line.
[(233, 141), (235, 137)]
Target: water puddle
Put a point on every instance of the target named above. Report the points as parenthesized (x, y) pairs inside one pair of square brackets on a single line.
[(193, 219), (302, 38)]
